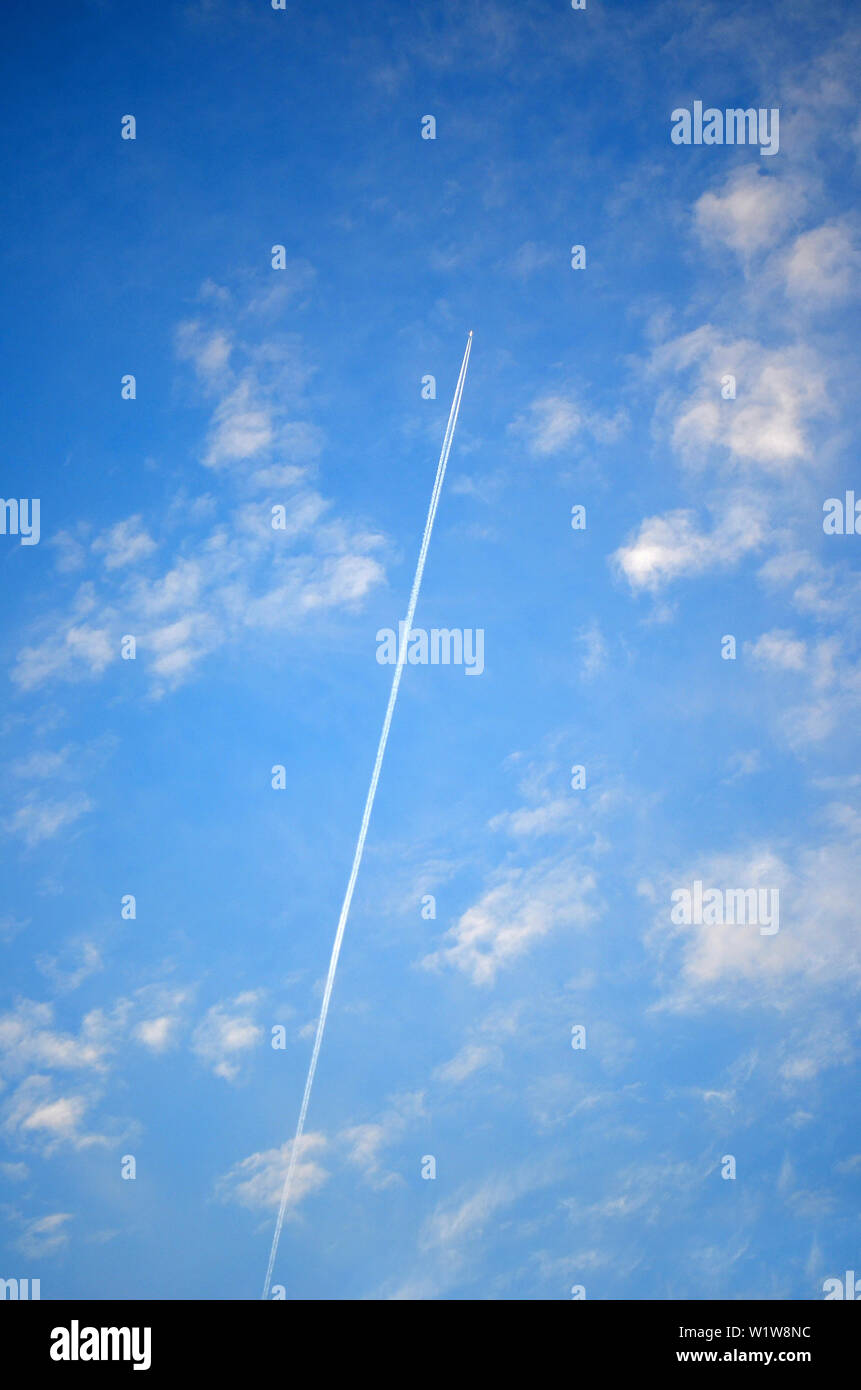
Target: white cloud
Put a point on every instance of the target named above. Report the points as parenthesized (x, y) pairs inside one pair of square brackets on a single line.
[(536, 820), (816, 947), (466, 1218), (73, 649), (779, 648), (766, 428), (42, 1110), (35, 1115), (671, 546), (41, 819), (83, 960), (522, 907), (530, 257), (594, 659), (471, 1058), (156, 1033), (743, 764), (257, 1181), (556, 420), (555, 423), (163, 1008), (242, 427), (28, 1039), (823, 265), (234, 579), (230, 574), (367, 1142), (750, 213), (453, 1235), (226, 1032), (827, 689), (43, 763), (15, 1172), (44, 1236), (71, 553), (208, 350), (258, 389), (124, 543), (824, 591)]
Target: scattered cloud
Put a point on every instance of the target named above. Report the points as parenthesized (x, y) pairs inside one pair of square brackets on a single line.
[(520, 908), (44, 1236), (226, 1033), (258, 1181), (673, 546)]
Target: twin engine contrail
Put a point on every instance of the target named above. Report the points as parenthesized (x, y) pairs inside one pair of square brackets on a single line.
[(369, 806)]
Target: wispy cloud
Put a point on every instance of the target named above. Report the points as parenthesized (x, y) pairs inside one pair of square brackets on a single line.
[(257, 1181), (227, 1032), (520, 908), (44, 1236)]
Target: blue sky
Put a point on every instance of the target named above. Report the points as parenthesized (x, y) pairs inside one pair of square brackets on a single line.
[(448, 1036)]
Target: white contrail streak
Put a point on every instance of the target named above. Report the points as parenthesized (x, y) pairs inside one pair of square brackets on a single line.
[(369, 806)]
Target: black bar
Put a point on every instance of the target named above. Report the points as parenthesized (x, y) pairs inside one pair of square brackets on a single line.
[(625, 1337)]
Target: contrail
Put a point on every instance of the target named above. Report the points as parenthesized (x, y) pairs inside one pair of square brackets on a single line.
[(369, 806)]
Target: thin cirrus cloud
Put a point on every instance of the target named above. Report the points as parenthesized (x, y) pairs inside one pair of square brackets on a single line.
[(556, 421), (473, 1057), (367, 1142), (45, 1236), (40, 818)]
